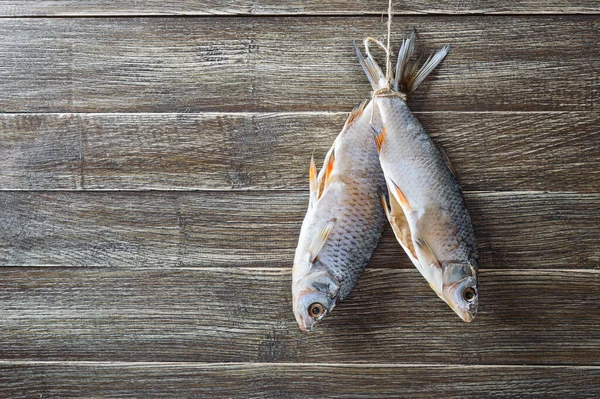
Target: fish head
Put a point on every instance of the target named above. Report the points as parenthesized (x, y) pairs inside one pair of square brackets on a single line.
[(314, 296), (459, 289)]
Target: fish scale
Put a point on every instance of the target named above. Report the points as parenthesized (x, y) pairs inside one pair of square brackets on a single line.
[(348, 250)]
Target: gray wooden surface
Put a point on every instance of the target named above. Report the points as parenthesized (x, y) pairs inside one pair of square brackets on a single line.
[(153, 178)]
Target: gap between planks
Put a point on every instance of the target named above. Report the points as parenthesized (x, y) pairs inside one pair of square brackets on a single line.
[(277, 113), (275, 364), (483, 194), (272, 270), (351, 14)]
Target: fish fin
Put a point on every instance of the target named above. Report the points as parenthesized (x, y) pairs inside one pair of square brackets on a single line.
[(408, 76), (385, 206), (430, 64), (355, 114), (379, 136), (319, 241), (329, 170), (447, 160), (368, 64), (398, 195), (400, 226), (313, 183), (406, 50), (427, 252), (324, 176)]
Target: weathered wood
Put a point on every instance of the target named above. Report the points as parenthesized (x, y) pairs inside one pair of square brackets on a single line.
[(294, 381), (304, 7), (166, 229), (491, 151), (245, 315), (288, 63)]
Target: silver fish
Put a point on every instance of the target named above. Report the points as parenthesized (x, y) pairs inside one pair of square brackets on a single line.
[(343, 223), (426, 207)]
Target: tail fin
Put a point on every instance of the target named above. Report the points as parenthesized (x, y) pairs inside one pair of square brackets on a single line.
[(372, 70), (406, 51), (408, 76)]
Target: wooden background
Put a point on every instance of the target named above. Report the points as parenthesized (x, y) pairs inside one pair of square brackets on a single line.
[(153, 177)]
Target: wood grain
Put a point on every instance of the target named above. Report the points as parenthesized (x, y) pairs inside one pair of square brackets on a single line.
[(303, 7), (289, 64), (245, 315), (553, 151), (294, 381), (260, 229)]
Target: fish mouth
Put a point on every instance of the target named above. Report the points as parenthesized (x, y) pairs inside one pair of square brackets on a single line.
[(302, 324), (466, 316), (305, 329)]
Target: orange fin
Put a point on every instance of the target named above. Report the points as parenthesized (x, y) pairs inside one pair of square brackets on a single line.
[(356, 113), (328, 172), (379, 137), (430, 257), (399, 224), (385, 206), (319, 241), (399, 195)]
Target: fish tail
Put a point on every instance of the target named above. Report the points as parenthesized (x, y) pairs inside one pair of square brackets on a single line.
[(369, 65), (408, 76)]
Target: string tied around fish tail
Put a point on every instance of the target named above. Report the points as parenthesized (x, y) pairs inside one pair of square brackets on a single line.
[(384, 91)]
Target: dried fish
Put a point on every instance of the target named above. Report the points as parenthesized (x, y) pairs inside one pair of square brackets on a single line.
[(343, 223), (424, 202)]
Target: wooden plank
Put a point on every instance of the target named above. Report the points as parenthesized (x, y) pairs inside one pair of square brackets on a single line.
[(245, 315), (260, 229), (288, 63), (293, 381), (491, 151), (304, 7)]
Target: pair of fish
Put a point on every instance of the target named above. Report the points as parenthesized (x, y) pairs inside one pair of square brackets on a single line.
[(384, 165)]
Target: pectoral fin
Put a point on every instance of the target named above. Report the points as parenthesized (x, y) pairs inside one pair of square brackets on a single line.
[(429, 256), (379, 136), (398, 195), (319, 241), (385, 206), (399, 224)]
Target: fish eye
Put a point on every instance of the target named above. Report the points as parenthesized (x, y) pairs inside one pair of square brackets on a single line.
[(469, 294), (315, 310)]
